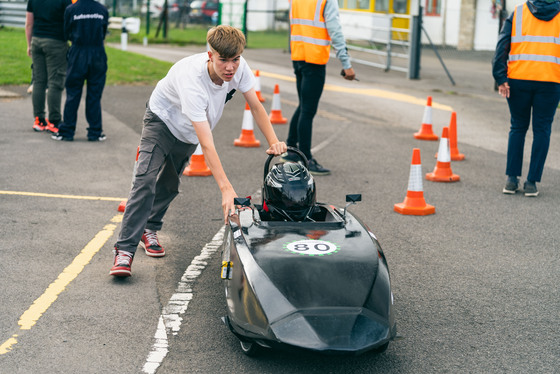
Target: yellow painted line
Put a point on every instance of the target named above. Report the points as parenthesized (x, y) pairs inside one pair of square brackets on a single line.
[(384, 94), (30, 317), (58, 196), (7, 346), (277, 76)]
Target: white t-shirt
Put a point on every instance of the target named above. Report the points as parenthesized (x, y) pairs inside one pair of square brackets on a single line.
[(187, 94)]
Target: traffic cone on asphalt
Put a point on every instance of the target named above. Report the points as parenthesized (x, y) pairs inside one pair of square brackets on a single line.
[(247, 137), (122, 204), (276, 110), (453, 150), (426, 132), (258, 87), (414, 203), (197, 166), (442, 172)]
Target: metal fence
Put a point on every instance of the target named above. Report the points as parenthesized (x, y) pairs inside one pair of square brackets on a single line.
[(12, 13)]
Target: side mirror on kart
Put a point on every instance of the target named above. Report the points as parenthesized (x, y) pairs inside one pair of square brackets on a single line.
[(242, 201), (351, 199)]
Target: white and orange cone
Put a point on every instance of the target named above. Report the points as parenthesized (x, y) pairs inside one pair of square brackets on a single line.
[(122, 204), (247, 137), (197, 166), (414, 203), (453, 150), (276, 117), (258, 87), (426, 132), (442, 172)]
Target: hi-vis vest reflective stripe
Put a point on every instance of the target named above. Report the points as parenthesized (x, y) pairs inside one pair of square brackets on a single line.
[(535, 47), (309, 39)]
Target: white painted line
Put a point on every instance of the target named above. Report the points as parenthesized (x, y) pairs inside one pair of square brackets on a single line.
[(171, 316)]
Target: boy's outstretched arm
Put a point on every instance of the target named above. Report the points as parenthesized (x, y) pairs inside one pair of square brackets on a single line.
[(260, 115), (212, 159)]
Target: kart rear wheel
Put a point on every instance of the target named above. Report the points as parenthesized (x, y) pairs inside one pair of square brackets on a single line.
[(250, 349)]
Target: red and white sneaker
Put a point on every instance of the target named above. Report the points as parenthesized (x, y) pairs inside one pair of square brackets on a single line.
[(122, 264), (151, 245), (40, 124), (50, 127)]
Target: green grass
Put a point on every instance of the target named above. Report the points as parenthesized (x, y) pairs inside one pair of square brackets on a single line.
[(14, 62), (196, 34), (124, 67), (131, 68)]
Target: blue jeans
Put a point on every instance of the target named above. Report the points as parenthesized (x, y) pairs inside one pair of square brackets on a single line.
[(540, 98), (310, 79)]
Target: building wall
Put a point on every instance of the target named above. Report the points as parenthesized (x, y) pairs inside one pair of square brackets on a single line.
[(463, 24), (260, 14)]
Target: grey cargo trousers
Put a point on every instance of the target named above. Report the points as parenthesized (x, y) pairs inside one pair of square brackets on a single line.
[(161, 161)]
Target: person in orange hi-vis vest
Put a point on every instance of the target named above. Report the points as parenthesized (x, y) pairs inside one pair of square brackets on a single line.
[(526, 67), (314, 27)]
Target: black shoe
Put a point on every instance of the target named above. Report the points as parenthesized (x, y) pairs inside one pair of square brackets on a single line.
[(61, 137), (530, 189), (317, 169), (100, 138), (511, 185)]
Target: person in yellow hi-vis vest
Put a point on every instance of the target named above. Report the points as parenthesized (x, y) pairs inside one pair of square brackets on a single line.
[(314, 27), (526, 67)]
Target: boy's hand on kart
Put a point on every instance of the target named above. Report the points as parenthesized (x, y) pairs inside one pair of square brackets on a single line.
[(277, 149), (227, 203)]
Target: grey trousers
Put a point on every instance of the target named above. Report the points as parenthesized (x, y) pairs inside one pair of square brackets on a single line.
[(49, 70), (161, 161)]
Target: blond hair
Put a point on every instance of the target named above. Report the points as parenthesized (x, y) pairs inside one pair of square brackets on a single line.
[(226, 40)]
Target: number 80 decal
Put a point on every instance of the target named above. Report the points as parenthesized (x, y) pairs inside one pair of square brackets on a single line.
[(312, 247)]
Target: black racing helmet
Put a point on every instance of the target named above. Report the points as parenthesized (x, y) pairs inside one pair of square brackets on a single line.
[(289, 191)]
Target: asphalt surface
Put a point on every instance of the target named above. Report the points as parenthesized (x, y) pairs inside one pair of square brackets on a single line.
[(475, 284)]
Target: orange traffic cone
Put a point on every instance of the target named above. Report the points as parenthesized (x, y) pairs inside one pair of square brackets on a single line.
[(426, 132), (247, 137), (122, 204), (276, 110), (414, 203), (258, 87), (442, 172), (197, 166), (453, 150)]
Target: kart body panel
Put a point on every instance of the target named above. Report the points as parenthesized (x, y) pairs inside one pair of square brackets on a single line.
[(323, 286)]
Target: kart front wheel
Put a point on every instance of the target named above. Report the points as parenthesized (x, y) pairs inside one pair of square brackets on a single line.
[(381, 348), (250, 349)]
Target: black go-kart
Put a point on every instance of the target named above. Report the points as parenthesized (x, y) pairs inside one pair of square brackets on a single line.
[(320, 284)]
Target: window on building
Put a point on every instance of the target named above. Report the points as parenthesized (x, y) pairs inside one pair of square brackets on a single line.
[(363, 4), (354, 4), (433, 7), (399, 6), (381, 6)]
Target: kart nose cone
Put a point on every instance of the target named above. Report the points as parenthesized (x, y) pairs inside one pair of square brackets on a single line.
[(339, 330)]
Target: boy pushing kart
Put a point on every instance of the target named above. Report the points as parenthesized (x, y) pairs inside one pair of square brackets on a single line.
[(182, 111)]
